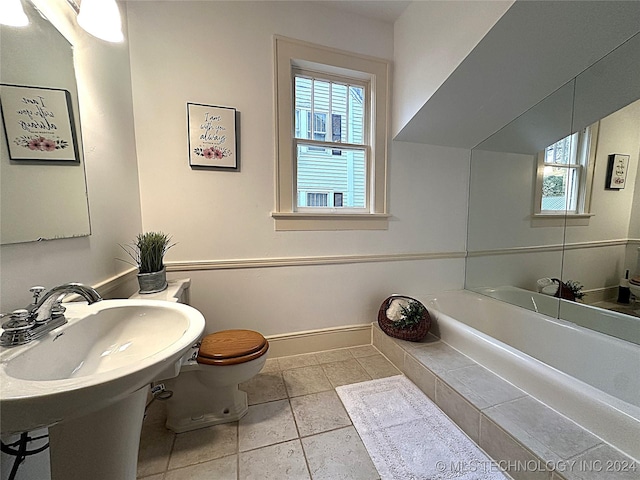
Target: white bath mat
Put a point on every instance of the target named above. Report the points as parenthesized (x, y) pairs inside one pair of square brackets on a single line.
[(408, 437)]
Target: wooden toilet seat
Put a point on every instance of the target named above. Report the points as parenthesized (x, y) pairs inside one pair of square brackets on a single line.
[(231, 347)]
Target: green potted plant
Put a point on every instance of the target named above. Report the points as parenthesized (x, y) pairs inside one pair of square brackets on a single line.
[(147, 253)]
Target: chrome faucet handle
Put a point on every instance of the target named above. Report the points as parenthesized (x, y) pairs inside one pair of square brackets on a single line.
[(18, 329), (18, 321), (36, 291)]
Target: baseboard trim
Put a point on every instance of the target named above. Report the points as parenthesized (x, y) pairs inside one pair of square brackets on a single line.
[(311, 341)]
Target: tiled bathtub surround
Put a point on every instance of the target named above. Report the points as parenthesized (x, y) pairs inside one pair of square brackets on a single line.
[(296, 427), (520, 433)]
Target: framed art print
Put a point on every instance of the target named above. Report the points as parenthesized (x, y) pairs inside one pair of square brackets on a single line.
[(212, 136), (38, 123), (617, 172)]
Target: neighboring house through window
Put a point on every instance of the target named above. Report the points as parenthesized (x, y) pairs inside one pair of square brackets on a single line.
[(332, 146)]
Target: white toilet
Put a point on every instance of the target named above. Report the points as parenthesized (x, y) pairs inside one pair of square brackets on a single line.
[(206, 390)]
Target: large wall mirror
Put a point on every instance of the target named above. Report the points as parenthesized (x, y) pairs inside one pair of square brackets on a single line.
[(43, 188), (545, 203)]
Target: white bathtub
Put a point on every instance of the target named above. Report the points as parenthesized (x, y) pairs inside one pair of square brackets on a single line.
[(609, 322), (553, 360)]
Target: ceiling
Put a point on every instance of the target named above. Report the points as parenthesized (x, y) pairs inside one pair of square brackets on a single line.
[(534, 49), (384, 10)]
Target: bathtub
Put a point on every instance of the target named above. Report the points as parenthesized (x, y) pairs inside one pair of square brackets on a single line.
[(552, 360), (609, 322)]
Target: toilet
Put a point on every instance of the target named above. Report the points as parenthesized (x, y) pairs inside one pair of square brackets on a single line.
[(205, 392)]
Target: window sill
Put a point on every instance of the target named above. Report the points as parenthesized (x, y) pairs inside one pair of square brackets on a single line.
[(560, 219), (297, 221)]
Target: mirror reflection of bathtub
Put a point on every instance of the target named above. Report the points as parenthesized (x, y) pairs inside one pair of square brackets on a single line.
[(609, 322), (551, 359)]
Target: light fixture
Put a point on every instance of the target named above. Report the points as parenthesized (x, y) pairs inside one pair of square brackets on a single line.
[(12, 14), (101, 18)]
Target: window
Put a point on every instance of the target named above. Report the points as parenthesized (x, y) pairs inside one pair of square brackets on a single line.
[(331, 110), (565, 171), (335, 162)]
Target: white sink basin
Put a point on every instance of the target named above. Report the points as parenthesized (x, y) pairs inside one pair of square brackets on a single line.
[(105, 352)]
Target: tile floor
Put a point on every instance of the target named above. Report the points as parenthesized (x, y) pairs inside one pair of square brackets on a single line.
[(296, 427)]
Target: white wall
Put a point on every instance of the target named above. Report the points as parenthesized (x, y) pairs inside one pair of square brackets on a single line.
[(430, 40), (221, 54), (104, 91)]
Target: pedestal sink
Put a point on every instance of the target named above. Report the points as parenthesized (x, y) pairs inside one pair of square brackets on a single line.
[(87, 381)]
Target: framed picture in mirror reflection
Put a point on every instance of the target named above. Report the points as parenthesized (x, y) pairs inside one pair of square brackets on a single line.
[(38, 123), (617, 171)]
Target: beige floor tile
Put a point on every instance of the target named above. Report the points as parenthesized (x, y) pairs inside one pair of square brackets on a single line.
[(364, 351), (297, 361), (159, 476), (225, 468), (338, 455), (204, 444), (284, 461), (334, 355), (319, 412), (305, 380), (271, 365), (378, 367), (345, 372), (266, 424), (265, 387), (155, 446)]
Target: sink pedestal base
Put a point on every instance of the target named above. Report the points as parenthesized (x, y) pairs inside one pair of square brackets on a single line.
[(102, 445)]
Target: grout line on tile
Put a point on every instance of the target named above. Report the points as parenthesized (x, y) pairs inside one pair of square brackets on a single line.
[(295, 422)]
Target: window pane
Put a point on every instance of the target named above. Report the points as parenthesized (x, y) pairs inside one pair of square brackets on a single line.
[(560, 152), (303, 88), (321, 91), (342, 107), (559, 189), (339, 112), (356, 115), (320, 126), (330, 170)]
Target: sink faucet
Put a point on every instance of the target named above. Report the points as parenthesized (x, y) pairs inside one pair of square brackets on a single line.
[(42, 316), (42, 311)]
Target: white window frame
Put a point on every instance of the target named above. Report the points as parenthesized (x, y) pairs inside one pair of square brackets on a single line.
[(294, 54), (584, 163)]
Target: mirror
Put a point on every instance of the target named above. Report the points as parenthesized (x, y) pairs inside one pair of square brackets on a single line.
[(43, 187), (540, 206)]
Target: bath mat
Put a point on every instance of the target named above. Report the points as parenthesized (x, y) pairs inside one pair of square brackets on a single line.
[(408, 436)]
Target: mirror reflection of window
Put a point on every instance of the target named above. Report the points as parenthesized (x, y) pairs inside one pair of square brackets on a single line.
[(565, 177)]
